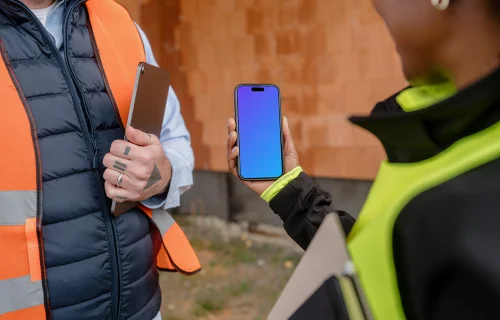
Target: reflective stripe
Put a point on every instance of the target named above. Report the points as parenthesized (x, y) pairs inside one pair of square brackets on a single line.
[(163, 220), (17, 206), (20, 293)]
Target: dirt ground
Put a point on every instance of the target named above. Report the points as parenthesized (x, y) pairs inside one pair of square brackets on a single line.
[(240, 280)]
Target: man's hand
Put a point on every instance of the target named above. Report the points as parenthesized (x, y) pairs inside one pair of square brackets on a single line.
[(141, 166)]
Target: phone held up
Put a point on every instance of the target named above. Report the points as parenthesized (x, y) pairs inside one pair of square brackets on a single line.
[(257, 109)]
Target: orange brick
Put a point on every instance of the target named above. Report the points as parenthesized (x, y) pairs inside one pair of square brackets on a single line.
[(365, 12), (363, 162), (339, 131), (325, 66), (308, 100), (189, 10), (315, 131), (326, 162), (196, 82), (307, 11), (244, 50), (310, 72), (291, 68), (358, 97), (312, 41), (382, 90), (290, 105), (262, 45), (347, 66), (286, 42), (236, 23), (263, 74), (242, 4), (295, 126), (184, 35), (340, 37), (217, 158), (255, 21), (370, 35), (190, 58), (223, 6), (347, 162), (224, 54), (331, 98), (287, 15), (380, 63), (331, 12)]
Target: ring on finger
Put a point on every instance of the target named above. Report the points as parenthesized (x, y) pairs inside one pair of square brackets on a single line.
[(119, 180)]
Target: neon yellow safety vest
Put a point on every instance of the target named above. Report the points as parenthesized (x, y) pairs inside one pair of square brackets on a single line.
[(370, 242)]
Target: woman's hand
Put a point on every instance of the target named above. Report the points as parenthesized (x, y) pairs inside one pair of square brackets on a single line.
[(290, 156)]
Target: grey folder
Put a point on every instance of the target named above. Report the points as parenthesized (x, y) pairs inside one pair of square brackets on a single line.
[(325, 257), (147, 109)]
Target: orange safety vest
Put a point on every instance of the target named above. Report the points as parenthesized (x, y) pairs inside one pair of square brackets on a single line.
[(22, 267)]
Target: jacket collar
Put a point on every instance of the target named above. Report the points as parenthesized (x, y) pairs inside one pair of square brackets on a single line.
[(415, 136)]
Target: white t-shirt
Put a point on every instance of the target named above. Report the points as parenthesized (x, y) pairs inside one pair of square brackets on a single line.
[(42, 14)]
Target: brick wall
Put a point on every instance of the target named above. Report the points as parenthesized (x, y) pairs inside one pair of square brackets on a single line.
[(331, 58)]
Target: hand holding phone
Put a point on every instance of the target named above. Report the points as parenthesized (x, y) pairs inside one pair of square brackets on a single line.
[(258, 122), (261, 149)]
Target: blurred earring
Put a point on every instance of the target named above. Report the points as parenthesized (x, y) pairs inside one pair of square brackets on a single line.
[(440, 4)]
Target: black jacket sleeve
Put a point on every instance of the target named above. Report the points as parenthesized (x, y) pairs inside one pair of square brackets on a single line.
[(302, 205)]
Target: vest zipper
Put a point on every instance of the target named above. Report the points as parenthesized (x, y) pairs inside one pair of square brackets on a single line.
[(81, 95), (89, 134), (110, 222)]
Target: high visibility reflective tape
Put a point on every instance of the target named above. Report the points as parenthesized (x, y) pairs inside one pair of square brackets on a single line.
[(163, 220), (20, 293), (16, 207), (33, 249)]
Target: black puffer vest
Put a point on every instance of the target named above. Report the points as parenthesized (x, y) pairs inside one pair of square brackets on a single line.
[(98, 266)]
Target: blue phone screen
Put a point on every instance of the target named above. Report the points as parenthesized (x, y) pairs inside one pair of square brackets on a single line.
[(259, 132)]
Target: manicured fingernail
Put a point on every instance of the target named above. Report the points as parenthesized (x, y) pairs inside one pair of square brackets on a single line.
[(230, 134), (229, 122), (233, 149)]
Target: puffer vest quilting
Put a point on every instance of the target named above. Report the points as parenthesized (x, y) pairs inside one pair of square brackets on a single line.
[(98, 266)]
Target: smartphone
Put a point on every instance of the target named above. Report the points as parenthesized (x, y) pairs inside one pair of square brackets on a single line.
[(257, 109)]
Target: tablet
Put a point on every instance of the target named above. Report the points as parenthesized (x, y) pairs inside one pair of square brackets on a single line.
[(147, 110)]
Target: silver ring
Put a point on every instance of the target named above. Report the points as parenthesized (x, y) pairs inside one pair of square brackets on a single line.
[(120, 180)]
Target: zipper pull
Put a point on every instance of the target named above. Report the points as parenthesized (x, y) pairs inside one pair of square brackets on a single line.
[(95, 164)]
